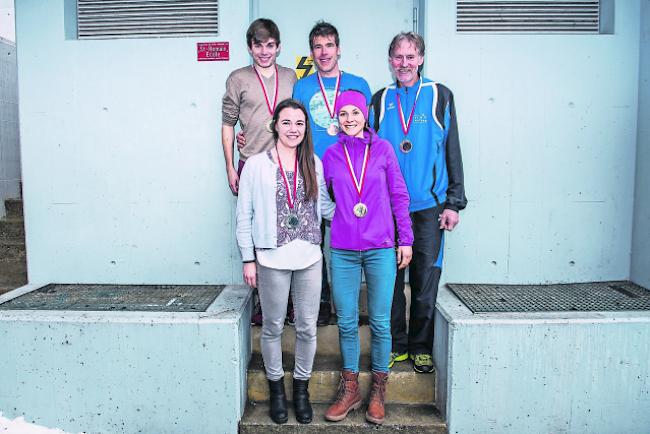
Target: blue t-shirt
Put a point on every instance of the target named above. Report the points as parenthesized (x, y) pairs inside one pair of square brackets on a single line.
[(307, 91)]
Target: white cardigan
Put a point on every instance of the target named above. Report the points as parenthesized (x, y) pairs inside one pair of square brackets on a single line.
[(256, 205)]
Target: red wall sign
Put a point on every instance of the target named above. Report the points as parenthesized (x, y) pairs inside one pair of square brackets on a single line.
[(206, 51)]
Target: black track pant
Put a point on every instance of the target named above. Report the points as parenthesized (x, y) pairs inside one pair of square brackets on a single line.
[(424, 275)]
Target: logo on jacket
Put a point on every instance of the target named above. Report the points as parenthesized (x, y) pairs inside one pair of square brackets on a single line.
[(420, 118)]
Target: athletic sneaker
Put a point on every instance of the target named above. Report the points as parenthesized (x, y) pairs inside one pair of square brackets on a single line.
[(422, 363), (397, 357)]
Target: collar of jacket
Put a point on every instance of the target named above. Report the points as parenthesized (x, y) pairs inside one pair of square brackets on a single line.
[(353, 140)]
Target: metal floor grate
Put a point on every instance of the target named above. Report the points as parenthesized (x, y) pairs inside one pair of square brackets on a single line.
[(584, 297), (129, 298)]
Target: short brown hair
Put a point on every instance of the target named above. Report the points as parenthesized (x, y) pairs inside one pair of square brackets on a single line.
[(261, 30), (323, 29)]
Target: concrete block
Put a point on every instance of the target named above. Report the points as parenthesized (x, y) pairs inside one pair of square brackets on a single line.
[(126, 372)]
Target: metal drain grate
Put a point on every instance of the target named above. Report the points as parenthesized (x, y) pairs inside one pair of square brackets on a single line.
[(584, 297), (130, 298)]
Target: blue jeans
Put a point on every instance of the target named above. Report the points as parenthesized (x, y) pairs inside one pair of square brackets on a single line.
[(380, 268)]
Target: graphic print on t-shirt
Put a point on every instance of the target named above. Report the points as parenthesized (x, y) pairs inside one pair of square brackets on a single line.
[(318, 109)]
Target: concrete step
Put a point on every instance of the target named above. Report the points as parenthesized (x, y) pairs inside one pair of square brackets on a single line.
[(14, 208), (13, 273), (12, 250), (12, 230), (405, 386), (327, 337), (405, 419)]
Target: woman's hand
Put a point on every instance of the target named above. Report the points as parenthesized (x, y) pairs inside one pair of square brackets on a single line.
[(250, 274), (404, 255)]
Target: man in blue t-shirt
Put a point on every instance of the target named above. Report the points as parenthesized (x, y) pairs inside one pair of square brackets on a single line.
[(318, 91)]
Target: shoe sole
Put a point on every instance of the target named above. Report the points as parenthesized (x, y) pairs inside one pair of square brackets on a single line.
[(343, 416), (401, 358), (419, 371), (374, 420), (281, 421)]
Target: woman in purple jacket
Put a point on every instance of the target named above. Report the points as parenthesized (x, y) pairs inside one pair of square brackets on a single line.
[(370, 194)]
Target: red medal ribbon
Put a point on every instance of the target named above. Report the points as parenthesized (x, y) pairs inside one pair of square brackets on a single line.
[(330, 109), (290, 199), (407, 126), (357, 184), (266, 95)]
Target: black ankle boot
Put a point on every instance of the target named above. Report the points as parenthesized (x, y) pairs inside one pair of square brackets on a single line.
[(278, 401), (301, 403)]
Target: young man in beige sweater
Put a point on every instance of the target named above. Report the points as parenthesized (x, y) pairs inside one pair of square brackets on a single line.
[(252, 92)]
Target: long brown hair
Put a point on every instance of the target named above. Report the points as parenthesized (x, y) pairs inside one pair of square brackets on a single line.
[(305, 149)]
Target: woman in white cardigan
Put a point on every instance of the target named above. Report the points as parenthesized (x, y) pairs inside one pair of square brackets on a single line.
[(281, 196)]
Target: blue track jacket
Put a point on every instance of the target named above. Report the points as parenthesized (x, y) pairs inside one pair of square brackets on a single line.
[(433, 170)]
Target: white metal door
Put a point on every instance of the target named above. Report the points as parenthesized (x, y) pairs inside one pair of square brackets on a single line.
[(365, 27)]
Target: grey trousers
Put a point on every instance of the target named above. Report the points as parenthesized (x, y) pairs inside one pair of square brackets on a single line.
[(273, 287)]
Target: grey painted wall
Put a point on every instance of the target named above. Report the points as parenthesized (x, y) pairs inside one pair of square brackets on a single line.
[(123, 170), (548, 132), (9, 137), (640, 270)]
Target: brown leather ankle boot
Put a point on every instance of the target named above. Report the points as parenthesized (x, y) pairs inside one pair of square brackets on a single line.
[(375, 412), (347, 399)]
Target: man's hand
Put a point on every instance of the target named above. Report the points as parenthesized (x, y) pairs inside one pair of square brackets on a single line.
[(449, 219), (250, 274), (404, 255), (233, 181), (241, 140)]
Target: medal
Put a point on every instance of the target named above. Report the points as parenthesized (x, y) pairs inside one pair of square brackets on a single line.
[(360, 209), (405, 146), (271, 107), (333, 129), (291, 221), (330, 107)]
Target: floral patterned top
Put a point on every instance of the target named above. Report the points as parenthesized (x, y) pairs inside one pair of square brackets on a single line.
[(308, 228)]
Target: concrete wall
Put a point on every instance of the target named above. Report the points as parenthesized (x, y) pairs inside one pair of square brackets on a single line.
[(640, 272), (568, 372), (123, 168), (9, 136), (548, 133), (124, 179)]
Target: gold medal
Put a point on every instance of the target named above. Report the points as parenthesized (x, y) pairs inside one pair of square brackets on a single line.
[(333, 129), (269, 125), (360, 210), (406, 146)]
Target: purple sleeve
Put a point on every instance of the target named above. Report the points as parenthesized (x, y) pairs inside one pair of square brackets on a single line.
[(399, 198)]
